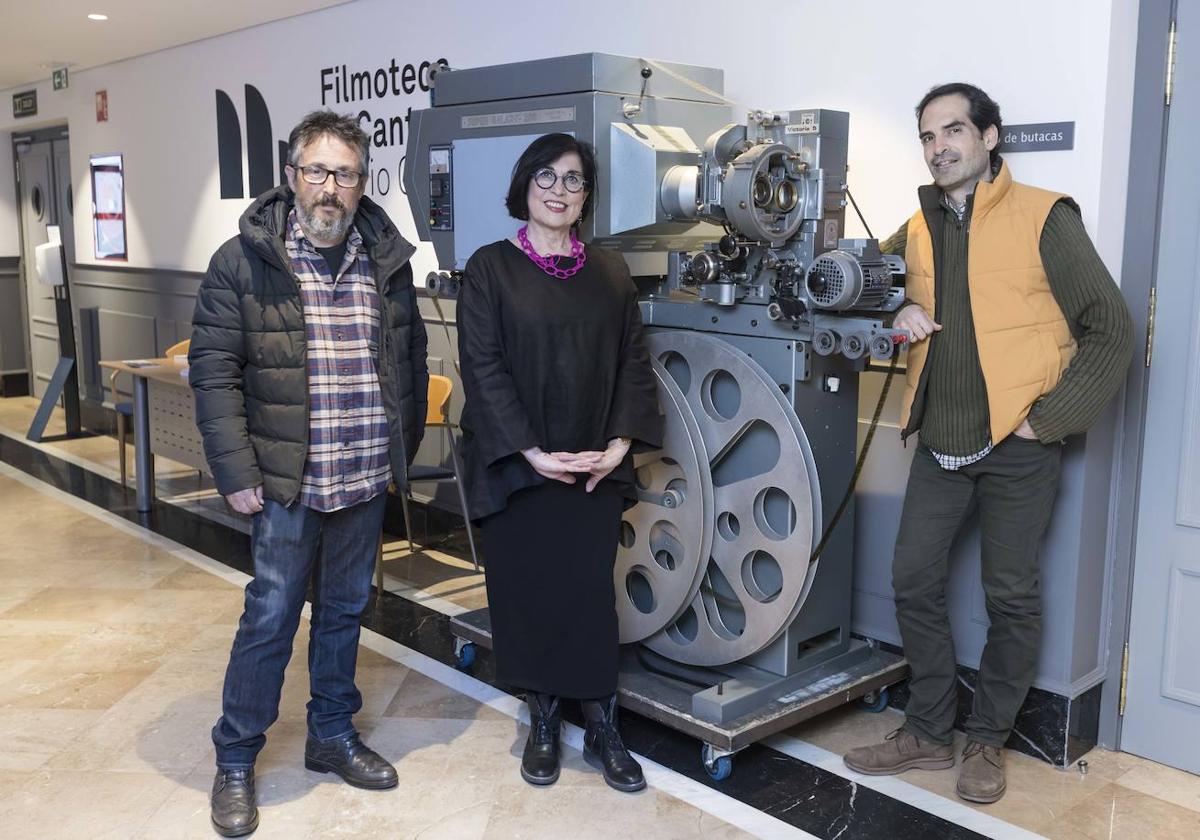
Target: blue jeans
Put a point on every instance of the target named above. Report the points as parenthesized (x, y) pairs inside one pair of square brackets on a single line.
[(291, 546)]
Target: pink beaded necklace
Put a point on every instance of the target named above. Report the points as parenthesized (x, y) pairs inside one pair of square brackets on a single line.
[(550, 264)]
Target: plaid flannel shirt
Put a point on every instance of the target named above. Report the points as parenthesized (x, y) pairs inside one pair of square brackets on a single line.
[(347, 461)]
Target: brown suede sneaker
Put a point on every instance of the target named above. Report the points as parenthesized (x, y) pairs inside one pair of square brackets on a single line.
[(899, 752), (982, 776)]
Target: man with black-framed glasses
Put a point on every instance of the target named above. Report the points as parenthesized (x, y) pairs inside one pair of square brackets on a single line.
[(308, 362)]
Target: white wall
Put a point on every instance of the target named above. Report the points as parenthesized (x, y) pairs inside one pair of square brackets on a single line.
[(1109, 231), (1042, 60), (10, 245), (54, 108)]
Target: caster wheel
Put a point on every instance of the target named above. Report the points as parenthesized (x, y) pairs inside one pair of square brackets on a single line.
[(466, 656), (718, 768), (875, 701)]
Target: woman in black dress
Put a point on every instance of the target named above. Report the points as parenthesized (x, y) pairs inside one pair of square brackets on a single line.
[(558, 388)]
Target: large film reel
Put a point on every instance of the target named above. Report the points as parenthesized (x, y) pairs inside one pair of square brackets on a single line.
[(667, 535), (766, 514)]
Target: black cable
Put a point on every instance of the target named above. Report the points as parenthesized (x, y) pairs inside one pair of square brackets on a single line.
[(862, 457), (867, 227), (849, 494)]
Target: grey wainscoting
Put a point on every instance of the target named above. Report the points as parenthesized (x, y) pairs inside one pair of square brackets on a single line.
[(134, 313), (12, 321), (126, 313), (1074, 570)]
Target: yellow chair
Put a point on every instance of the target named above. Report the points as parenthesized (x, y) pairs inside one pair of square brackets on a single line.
[(438, 416), (124, 410)]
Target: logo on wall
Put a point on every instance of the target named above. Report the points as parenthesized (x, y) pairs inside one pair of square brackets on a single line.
[(342, 87), (265, 159)]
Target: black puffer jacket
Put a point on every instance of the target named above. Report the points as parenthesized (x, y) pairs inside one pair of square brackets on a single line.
[(249, 352)]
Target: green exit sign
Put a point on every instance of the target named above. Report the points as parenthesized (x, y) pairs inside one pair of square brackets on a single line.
[(60, 78)]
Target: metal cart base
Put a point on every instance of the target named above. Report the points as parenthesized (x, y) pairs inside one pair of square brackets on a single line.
[(729, 709)]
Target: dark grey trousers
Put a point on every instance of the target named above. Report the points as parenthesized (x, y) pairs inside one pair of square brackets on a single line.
[(1014, 488)]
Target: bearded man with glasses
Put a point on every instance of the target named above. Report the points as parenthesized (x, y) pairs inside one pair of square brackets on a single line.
[(308, 362)]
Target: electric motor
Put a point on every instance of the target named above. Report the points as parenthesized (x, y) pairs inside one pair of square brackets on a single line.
[(840, 280)]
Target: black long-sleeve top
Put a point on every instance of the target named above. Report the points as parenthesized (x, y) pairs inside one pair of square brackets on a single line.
[(559, 364)]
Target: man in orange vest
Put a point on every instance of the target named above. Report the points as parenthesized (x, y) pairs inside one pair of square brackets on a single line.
[(1019, 339)]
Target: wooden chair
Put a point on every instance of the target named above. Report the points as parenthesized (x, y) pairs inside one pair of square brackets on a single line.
[(438, 416), (124, 410)]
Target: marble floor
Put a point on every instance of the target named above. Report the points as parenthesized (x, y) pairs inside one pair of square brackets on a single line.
[(113, 641), (112, 652)]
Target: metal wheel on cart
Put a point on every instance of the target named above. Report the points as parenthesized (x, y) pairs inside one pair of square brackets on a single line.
[(875, 701), (464, 654), (718, 766)]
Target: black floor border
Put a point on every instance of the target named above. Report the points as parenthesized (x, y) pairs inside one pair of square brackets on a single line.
[(793, 791), (1050, 727)]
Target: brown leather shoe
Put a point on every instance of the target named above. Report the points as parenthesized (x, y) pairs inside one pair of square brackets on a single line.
[(982, 776), (899, 752)]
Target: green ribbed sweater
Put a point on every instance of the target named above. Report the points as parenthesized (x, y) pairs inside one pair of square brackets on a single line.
[(954, 416)]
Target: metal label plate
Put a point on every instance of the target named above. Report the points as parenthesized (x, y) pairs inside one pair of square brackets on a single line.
[(543, 115), (806, 123)]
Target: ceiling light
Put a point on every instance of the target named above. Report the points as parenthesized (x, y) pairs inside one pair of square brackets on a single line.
[(97, 17)]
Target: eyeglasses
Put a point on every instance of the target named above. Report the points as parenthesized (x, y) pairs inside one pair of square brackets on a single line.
[(546, 178), (316, 174)]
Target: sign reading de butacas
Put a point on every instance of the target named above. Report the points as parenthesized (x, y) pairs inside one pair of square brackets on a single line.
[(1038, 137)]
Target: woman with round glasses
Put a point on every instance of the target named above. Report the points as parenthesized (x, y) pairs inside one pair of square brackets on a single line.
[(558, 389)]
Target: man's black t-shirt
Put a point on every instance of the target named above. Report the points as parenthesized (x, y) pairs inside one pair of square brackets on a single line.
[(334, 256)]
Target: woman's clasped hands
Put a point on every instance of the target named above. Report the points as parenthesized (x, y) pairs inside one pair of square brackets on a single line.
[(563, 466)]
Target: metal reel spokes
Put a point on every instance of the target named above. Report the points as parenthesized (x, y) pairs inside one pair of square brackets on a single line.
[(767, 504), (666, 535)]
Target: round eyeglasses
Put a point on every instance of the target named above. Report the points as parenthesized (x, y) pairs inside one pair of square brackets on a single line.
[(316, 174), (546, 178)]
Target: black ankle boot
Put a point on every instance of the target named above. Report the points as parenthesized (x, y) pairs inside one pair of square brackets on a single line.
[(350, 758), (234, 810), (539, 763), (602, 747)]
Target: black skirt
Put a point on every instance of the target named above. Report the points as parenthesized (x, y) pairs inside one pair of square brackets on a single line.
[(550, 556)]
